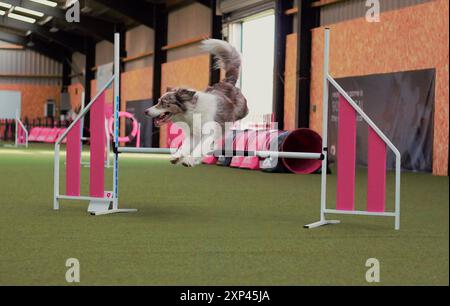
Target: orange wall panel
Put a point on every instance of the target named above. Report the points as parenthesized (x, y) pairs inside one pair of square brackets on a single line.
[(290, 84), (412, 38), (75, 94), (136, 85), (34, 97)]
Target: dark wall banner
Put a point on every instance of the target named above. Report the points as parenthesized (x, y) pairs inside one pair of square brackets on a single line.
[(401, 105), (137, 108)]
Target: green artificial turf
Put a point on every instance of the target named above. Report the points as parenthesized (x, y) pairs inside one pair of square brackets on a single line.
[(213, 226)]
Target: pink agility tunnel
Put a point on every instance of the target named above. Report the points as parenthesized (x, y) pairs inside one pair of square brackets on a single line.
[(302, 140)]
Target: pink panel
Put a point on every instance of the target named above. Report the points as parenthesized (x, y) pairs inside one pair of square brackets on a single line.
[(98, 145), (34, 134), (20, 134), (376, 173), (22, 137), (52, 135), (240, 144), (138, 137), (250, 162), (256, 142), (109, 110), (209, 160), (45, 132), (346, 156), (73, 161)]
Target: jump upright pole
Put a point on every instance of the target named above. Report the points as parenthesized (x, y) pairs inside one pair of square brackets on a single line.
[(115, 194), (323, 184)]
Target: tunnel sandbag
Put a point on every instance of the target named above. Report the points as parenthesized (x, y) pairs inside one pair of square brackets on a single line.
[(240, 144), (230, 138), (274, 142), (302, 140)]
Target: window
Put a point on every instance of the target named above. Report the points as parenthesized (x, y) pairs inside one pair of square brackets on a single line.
[(255, 38), (49, 109)]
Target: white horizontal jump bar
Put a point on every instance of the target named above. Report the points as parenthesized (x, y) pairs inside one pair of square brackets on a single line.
[(263, 154), (362, 213), (146, 150), (266, 154), (64, 197), (298, 155)]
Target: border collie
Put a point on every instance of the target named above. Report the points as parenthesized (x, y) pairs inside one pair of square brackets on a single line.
[(220, 104)]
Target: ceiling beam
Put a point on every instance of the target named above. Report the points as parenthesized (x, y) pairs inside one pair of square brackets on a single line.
[(185, 3), (216, 32), (64, 39), (96, 28), (38, 46), (139, 11), (204, 2)]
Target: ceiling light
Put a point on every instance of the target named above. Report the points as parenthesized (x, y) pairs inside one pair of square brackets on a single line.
[(2, 13), (70, 3), (45, 20), (28, 11), (5, 5), (22, 18), (45, 2)]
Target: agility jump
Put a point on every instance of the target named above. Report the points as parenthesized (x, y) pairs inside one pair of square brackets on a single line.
[(102, 202)]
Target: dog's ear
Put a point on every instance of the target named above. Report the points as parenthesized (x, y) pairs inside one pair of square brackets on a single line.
[(183, 94)]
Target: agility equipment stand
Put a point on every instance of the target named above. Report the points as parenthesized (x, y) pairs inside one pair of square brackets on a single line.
[(21, 133), (103, 202), (346, 156)]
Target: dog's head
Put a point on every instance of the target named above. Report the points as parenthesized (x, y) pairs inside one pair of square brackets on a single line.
[(172, 103)]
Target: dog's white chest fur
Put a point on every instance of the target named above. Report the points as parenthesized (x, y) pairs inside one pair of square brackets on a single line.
[(205, 107)]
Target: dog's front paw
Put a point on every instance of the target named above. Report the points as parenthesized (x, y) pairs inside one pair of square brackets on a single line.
[(175, 160), (190, 161)]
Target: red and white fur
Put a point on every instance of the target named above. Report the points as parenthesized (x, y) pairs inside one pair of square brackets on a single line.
[(220, 103)]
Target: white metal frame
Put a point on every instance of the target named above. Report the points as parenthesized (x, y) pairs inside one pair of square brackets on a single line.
[(328, 79), (19, 122), (97, 206)]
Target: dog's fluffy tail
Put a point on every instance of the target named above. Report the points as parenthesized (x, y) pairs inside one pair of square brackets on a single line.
[(228, 58)]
